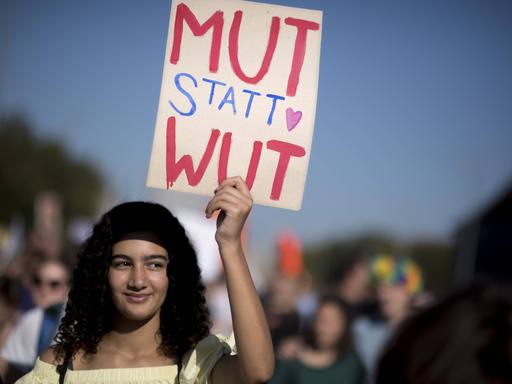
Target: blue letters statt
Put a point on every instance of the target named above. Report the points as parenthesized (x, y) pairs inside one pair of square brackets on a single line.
[(227, 98)]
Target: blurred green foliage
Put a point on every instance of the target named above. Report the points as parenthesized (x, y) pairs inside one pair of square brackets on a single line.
[(30, 165), (327, 261)]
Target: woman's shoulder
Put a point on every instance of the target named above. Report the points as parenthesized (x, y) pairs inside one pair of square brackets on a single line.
[(49, 356), (44, 371), (217, 341), (199, 361)]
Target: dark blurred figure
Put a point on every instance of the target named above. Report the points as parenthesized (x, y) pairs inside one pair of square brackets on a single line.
[(48, 229), (35, 329), (284, 290), (465, 339), (354, 287), (280, 305), (9, 296), (325, 356)]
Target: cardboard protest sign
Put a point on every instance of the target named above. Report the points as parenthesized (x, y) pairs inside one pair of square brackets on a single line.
[(238, 97)]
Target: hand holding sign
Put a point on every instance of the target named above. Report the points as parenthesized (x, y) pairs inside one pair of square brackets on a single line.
[(238, 97), (234, 200)]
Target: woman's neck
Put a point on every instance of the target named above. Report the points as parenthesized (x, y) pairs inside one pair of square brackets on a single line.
[(133, 337)]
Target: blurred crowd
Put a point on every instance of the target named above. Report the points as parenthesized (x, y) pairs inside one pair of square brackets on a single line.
[(376, 324), (379, 324), (36, 269)]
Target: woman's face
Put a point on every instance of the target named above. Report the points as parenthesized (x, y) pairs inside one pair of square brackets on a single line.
[(329, 326), (138, 276)]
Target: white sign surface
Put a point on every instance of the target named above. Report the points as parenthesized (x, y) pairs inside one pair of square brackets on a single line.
[(238, 97)]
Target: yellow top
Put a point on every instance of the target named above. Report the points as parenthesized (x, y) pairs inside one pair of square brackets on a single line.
[(196, 368)]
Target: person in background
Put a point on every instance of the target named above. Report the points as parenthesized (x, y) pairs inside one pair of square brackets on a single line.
[(464, 339), (9, 296), (354, 287), (35, 329), (50, 283), (325, 354), (280, 305), (281, 301), (397, 282)]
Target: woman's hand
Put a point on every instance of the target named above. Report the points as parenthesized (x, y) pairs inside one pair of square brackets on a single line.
[(234, 201)]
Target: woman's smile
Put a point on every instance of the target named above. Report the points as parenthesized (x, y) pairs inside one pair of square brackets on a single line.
[(137, 298)]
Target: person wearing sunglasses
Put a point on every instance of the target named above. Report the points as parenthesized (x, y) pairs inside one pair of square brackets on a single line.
[(36, 328), (50, 285)]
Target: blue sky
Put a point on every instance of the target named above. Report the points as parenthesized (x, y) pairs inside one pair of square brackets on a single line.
[(414, 119)]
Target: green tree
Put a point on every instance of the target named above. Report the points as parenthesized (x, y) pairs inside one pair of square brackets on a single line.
[(327, 261), (29, 165)]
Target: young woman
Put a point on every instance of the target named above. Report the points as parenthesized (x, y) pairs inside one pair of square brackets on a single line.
[(137, 313), (326, 354)]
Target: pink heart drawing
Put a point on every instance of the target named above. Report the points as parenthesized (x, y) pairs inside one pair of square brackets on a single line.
[(292, 118)]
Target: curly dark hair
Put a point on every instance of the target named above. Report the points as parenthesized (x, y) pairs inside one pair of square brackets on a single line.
[(184, 314)]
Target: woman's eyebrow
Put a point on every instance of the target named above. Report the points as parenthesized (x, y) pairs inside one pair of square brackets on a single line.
[(121, 256), (144, 258), (153, 257)]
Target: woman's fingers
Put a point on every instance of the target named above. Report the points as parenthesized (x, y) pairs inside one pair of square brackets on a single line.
[(233, 195), (237, 182), (233, 199), (230, 201)]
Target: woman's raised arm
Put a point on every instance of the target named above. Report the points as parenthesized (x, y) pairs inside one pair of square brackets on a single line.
[(255, 360)]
